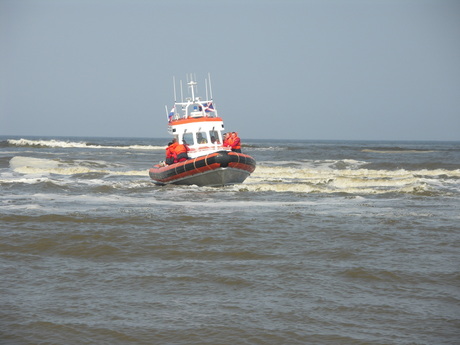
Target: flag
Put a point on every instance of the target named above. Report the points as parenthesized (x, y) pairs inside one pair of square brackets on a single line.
[(208, 107), (171, 113)]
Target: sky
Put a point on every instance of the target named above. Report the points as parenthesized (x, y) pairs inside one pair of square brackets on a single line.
[(280, 69)]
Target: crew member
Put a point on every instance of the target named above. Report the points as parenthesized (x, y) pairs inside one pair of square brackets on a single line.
[(235, 143), (227, 139), (170, 152), (181, 152)]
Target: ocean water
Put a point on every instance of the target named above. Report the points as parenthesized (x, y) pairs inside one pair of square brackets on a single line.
[(326, 242)]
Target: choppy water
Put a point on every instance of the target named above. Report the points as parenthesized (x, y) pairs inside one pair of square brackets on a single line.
[(325, 243)]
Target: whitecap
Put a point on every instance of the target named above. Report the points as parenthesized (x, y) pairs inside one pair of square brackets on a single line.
[(52, 143), (42, 166)]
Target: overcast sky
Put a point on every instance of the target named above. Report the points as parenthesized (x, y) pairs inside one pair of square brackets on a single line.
[(281, 69)]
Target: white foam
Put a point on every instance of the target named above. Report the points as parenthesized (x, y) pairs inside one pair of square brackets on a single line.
[(269, 148), (315, 164), (32, 165), (294, 178), (305, 173), (45, 143), (439, 172), (71, 144), (24, 180), (396, 151), (41, 166), (353, 181)]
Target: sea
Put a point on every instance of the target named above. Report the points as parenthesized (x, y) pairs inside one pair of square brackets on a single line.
[(327, 242)]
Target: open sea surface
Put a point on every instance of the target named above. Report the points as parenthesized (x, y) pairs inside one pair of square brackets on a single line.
[(327, 242)]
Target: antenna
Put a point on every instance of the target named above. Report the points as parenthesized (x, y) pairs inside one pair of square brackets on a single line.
[(206, 84), (174, 83), (181, 92), (210, 87), (196, 84), (189, 79)]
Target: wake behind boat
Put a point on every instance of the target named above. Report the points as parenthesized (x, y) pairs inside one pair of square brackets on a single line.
[(208, 158)]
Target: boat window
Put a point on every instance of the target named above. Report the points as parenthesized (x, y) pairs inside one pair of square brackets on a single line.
[(215, 138), (201, 138), (188, 138)]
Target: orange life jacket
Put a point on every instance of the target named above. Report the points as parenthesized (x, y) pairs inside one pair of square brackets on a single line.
[(236, 143), (169, 154), (171, 150), (228, 142), (180, 148)]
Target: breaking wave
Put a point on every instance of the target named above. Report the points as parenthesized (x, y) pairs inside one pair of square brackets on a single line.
[(52, 143), (42, 166), (396, 150), (353, 181), (328, 177)]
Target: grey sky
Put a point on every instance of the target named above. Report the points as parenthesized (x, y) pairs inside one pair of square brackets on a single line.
[(383, 70)]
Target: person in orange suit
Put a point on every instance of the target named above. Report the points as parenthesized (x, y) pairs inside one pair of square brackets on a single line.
[(170, 152), (180, 151), (235, 142), (227, 139)]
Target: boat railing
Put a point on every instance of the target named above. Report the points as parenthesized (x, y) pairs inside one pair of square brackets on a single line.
[(208, 148), (193, 109), (196, 114)]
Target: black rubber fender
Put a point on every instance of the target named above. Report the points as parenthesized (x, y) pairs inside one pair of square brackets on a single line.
[(223, 158)]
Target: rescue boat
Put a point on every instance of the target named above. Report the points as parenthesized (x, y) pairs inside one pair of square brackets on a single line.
[(195, 123)]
